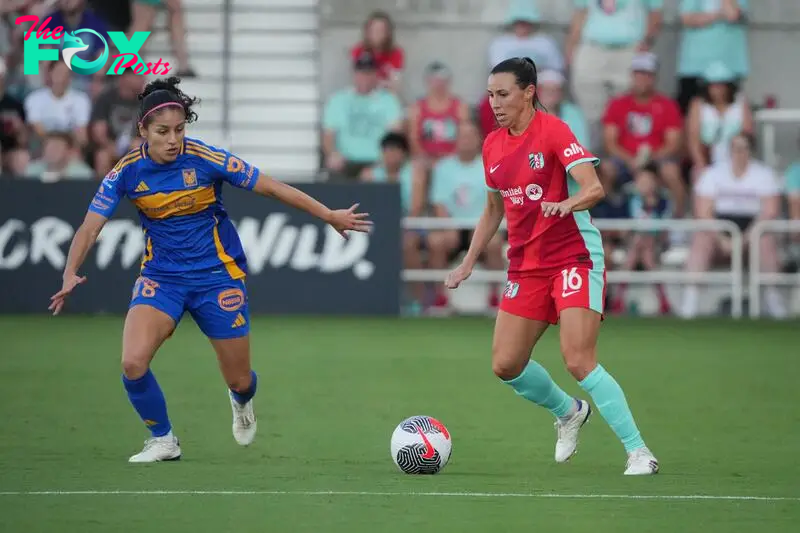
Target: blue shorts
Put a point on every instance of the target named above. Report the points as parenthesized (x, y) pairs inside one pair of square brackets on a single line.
[(218, 307)]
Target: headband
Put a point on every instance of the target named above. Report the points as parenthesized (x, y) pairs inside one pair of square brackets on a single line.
[(160, 106)]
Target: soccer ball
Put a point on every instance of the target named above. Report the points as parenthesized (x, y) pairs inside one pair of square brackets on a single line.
[(421, 445)]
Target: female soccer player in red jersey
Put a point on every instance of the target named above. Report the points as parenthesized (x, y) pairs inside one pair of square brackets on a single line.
[(193, 258), (543, 181)]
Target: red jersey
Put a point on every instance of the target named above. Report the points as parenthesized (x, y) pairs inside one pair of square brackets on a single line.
[(437, 131), (643, 123), (532, 168), (388, 62)]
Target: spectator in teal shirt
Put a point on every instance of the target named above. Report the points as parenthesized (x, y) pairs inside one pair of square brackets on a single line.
[(550, 89), (458, 191), (603, 38), (714, 31), (356, 119)]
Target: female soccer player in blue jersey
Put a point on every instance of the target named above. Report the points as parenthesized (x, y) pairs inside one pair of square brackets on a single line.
[(193, 258)]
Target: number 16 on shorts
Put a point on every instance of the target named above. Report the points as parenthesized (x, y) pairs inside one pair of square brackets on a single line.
[(579, 287)]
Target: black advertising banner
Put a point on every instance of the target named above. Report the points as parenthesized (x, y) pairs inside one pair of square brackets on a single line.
[(297, 264)]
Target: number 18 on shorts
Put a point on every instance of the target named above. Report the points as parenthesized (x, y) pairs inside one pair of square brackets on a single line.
[(544, 297)]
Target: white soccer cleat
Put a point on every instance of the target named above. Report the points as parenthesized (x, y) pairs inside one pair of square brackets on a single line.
[(244, 421), (641, 462), (166, 448), (568, 428)]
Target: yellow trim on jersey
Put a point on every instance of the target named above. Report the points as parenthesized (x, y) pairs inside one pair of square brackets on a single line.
[(199, 148), (148, 253), (164, 205), (208, 156), (127, 160), (230, 265)]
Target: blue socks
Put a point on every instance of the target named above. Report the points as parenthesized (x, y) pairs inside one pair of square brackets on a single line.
[(610, 401), (245, 396), (536, 385), (146, 397)]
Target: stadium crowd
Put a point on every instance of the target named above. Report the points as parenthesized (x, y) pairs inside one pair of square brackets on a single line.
[(663, 156), (687, 155)]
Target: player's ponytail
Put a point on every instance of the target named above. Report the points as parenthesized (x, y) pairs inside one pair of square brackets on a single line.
[(163, 93), (524, 70)]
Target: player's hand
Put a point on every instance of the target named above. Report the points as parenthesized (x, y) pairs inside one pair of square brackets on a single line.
[(57, 300), (344, 220), (552, 209), (454, 278)]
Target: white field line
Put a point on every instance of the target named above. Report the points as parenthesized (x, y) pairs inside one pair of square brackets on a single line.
[(534, 495)]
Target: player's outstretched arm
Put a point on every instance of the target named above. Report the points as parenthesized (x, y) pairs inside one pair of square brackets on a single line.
[(341, 220), (487, 226), (82, 242), (590, 193)]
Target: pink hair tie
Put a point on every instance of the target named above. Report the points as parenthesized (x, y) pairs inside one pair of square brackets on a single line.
[(160, 106)]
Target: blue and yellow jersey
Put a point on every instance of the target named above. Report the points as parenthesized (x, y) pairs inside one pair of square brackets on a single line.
[(187, 230)]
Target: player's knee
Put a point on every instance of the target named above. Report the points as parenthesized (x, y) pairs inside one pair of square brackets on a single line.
[(507, 367), (580, 361), (134, 367)]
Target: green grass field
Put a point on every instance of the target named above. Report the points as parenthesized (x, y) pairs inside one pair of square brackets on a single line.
[(716, 401)]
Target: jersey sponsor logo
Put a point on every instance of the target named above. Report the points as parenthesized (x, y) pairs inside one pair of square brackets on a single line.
[(164, 205), (230, 299), (536, 160), (493, 168), (533, 191), (142, 187), (189, 177), (574, 150), (514, 195), (511, 290), (234, 165)]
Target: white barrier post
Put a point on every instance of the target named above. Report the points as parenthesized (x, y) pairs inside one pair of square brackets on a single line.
[(768, 118), (732, 277), (758, 278)]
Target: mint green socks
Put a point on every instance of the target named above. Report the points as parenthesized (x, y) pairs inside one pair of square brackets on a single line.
[(610, 401), (536, 385)]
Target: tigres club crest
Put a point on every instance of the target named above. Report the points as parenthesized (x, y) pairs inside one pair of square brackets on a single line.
[(189, 177), (536, 161)]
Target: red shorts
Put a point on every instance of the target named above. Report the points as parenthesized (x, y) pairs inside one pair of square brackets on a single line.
[(543, 297)]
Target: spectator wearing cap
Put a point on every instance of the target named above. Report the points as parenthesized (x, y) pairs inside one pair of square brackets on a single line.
[(644, 126), (60, 160), (355, 120), (13, 133), (113, 120), (550, 89), (378, 39), (57, 107), (716, 115), (713, 32), (603, 38), (524, 38)]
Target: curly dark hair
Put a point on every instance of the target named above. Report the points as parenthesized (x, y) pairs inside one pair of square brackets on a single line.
[(162, 92)]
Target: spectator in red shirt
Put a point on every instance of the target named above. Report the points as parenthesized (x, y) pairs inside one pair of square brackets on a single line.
[(486, 119), (644, 127), (378, 39)]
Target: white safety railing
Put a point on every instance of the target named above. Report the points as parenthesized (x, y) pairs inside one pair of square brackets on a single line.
[(759, 278), (769, 119), (733, 277)]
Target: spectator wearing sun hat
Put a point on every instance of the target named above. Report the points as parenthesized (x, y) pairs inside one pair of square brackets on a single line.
[(718, 114), (524, 38), (550, 89), (713, 32)]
